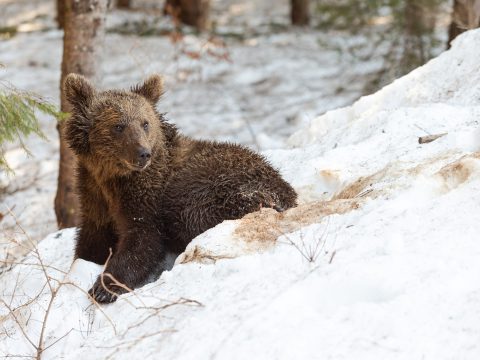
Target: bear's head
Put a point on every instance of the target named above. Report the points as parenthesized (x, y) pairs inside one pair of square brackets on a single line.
[(117, 128)]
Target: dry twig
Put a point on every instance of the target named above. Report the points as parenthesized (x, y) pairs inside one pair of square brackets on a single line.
[(429, 138)]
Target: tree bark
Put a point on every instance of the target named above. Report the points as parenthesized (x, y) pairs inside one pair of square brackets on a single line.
[(465, 16), (300, 12), (84, 30), (414, 52), (190, 12), (60, 13), (420, 23), (124, 4)]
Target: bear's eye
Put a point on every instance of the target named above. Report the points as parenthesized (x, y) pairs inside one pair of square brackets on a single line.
[(145, 125), (119, 128)]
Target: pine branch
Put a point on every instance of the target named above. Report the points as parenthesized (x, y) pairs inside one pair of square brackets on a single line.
[(18, 119)]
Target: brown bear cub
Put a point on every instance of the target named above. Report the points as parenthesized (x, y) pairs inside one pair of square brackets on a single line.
[(145, 189)]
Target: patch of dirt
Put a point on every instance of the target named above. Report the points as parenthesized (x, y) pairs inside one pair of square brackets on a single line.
[(361, 186), (459, 171), (258, 231), (380, 183), (263, 227), (428, 166), (203, 256)]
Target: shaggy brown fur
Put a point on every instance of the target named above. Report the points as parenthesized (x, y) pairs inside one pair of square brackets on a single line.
[(146, 189)]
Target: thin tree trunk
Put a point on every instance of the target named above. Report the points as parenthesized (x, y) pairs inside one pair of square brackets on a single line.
[(465, 16), (413, 52), (300, 12), (124, 4), (60, 13), (84, 30), (190, 12), (420, 24)]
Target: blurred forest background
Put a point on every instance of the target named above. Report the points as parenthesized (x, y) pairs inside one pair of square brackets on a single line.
[(403, 33), (246, 71)]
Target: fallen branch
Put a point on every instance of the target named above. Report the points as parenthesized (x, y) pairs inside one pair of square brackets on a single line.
[(429, 138)]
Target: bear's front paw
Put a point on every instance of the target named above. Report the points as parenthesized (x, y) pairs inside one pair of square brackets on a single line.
[(107, 292)]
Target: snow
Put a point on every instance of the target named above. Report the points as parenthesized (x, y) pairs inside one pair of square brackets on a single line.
[(379, 261), (394, 272)]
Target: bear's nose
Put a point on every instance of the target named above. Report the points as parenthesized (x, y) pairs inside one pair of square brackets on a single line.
[(144, 155)]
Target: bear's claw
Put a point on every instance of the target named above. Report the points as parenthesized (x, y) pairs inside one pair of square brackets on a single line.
[(101, 295)]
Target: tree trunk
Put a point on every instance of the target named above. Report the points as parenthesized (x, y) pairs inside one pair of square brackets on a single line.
[(420, 21), (189, 12), (465, 16), (84, 30), (60, 13), (124, 4), (300, 12)]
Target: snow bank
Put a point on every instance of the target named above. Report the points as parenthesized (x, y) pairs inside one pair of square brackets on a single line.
[(380, 261)]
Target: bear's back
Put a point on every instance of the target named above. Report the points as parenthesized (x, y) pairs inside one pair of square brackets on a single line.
[(220, 181)]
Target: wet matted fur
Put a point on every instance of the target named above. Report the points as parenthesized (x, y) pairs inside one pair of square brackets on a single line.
[(145, 188)]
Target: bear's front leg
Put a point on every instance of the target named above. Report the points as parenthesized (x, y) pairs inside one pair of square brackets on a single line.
[(96, 235), (140, 255), (95, 241)]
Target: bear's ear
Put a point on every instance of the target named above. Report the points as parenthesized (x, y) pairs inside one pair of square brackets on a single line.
[(79, 92), (151, 89), (76, 132)]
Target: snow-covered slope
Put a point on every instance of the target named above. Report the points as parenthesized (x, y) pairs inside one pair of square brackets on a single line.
[(380, 261)]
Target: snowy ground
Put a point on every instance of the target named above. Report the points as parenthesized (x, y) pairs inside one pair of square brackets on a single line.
[(275, 82), (380, 260)]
